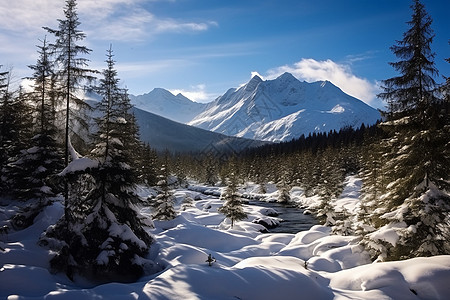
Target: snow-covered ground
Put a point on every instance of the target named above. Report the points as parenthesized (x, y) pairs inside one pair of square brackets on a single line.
[(312, 264)]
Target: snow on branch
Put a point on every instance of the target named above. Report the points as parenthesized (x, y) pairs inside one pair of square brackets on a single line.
[(78, 165), (75, 155)]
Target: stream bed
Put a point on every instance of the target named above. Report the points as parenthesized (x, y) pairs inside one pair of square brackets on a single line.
[(293, 218)]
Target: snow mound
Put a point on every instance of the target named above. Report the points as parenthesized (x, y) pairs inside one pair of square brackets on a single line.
[(26, 280), (417, 278), (255, 278)]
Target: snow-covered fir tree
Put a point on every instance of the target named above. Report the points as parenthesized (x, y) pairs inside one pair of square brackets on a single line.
[(15, 135), (3, 124), (71, 73), (163, 206), (283, 190), (232, 208), (35, 165), (415, 206), (106, 238), (148, 169)]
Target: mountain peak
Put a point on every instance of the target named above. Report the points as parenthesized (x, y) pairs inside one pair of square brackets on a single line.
[(253, 83), (164, 103), (286, 76), (160, 92), (284, 108)]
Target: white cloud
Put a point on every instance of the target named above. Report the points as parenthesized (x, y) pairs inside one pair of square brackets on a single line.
[(25, 16), (171, 25), (339, 74), (107, 19), (196, 93), (142, 68)]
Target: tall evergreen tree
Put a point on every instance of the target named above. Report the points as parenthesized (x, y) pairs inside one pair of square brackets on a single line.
[(416, 150), (413, 89), (107, 239), (4, 123), (148, 168), (71, 73), (15, 131), (43, 159)]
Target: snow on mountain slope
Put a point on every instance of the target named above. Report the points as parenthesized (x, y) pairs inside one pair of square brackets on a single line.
[(282, 109), (162, 102)]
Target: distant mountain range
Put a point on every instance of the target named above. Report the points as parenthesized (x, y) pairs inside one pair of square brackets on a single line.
[(283, 109), (271, 110), (164, 134), (164, 103)]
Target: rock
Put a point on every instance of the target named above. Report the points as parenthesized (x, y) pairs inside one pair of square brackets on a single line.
[(267, 222)]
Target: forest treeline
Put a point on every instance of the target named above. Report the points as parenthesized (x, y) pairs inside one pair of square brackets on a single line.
[(48, 153)]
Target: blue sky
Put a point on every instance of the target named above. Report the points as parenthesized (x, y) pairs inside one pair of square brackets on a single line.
[(203, 47)]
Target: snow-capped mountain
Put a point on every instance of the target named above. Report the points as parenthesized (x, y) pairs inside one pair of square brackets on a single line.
[(164, 134), (282, 109), (162, 102)]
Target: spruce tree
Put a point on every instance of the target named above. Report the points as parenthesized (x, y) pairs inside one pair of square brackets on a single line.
[(148, 168), (6, 121), (37, 164), (163, 207), (232, 208), (15, 133), (71, 73), (283, 190), (6, 131), (106, 239), (417, 166), (412, 91)]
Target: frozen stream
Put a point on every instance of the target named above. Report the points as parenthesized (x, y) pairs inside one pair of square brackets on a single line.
[(294, 219)]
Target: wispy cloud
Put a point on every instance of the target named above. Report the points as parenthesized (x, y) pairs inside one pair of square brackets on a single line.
[(123, 20), (353, 58), (28, 16), (339, 74), (142, 68), (129, 20)]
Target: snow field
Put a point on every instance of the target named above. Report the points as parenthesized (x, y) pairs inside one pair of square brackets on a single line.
[(312, 264)]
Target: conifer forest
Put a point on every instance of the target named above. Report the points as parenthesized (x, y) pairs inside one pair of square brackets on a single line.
[(56, 148)]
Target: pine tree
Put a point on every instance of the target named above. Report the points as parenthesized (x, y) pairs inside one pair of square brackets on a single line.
[(6, 121), (148, 168), (15, 133), (232, 207), (163, 208), (43, 159), (283, 190), (106, 237), (416, 150), (210, 168), (5, 131), (71, 73), (413, 89)]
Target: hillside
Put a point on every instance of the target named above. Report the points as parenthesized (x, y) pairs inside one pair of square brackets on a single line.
[(162, 133)]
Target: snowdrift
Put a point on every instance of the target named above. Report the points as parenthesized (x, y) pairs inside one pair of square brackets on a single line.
[(311, 264)]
